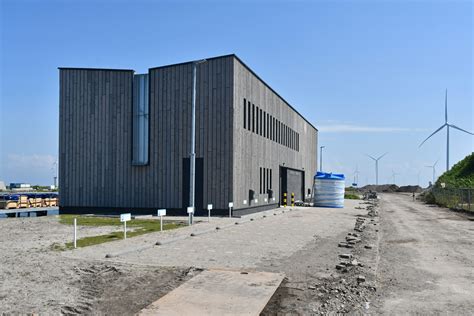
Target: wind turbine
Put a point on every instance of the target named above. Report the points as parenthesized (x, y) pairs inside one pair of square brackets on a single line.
[(376, 167), (434, 170), (356, 175), (393, 175), (447, 129)]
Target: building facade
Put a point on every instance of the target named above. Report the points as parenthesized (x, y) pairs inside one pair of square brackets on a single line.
[(125, 140)]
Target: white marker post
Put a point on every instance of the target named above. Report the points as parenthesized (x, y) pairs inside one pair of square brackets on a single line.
[(231, 205), (75, 233), (191, 213), (161, 213), (209, 208), (125, 218)]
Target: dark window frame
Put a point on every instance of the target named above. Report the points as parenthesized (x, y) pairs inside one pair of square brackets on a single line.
[(253, 118), (245, 113)]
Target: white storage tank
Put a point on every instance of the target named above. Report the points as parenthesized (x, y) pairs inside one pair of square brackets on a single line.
[(329, 190)]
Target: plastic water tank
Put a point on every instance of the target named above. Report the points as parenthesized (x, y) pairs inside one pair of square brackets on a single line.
[(329, 190)]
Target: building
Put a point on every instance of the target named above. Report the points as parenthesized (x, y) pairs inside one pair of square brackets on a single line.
[(20, 186), (125, 140)]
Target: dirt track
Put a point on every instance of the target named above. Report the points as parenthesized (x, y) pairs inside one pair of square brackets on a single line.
[(426, 259)]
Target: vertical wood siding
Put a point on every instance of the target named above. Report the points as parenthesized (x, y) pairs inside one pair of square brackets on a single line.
[(252, 151), (95, 143)]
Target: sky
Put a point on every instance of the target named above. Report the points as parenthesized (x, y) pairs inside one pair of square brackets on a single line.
[(370, 75)]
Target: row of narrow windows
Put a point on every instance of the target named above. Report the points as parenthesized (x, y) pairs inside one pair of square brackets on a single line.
[(265, 180), (262, 123)]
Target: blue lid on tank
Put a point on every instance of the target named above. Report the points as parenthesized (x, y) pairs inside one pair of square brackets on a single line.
[(329, 176)]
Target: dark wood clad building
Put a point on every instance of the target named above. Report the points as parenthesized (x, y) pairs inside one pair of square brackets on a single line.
[(125, 140)]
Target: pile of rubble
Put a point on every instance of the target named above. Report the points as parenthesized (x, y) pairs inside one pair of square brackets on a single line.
[(343, 295)]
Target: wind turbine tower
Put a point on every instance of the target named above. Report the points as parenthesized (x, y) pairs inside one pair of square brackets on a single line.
[(377, 167), (447, 125), (393, 176), (434, 170), (356, 175)]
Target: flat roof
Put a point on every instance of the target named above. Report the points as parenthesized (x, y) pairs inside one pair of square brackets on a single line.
[(253, 72), (101, 69), (190, 62)]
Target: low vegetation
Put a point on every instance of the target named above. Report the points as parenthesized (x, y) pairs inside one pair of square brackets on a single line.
[(137, 227), (350, 196), (455, 188), (461, 175)]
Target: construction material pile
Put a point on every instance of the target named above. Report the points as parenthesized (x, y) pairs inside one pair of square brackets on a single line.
[(16, 201)]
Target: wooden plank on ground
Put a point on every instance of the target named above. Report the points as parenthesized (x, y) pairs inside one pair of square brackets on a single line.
[(218, 292)]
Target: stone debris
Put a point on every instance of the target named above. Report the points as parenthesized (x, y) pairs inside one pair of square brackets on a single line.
[(361, 278), (368, 246)]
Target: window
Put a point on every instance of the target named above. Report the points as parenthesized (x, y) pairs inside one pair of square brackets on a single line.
[(245, 113), (272, 127), (271, 179), (253, 117), (260, 131), (268, 126), (140, 124), (260, 180), (256, 119), (264, 186), (267, 178), (248, 114), (264, 124)]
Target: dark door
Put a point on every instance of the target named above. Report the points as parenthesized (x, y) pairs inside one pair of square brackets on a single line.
[(199, 184), (291, 181)]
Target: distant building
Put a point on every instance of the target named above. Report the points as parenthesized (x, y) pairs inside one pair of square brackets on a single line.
[(2, 186), (20, 186), (125, 140)]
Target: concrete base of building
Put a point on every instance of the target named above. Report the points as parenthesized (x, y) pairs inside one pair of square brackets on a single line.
[(152, 211)]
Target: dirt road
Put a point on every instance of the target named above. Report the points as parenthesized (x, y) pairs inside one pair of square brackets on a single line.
[(426, 259)]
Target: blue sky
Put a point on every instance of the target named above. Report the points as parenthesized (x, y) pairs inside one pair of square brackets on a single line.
[(370, 75)]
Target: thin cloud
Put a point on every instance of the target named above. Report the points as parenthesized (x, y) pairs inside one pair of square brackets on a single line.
[(347, 128)]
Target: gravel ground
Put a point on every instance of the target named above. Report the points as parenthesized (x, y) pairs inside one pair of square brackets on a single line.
[(409, 258), (34, 278)]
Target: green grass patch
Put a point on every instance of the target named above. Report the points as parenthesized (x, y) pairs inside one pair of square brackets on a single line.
[(350, 196), (137, 227)]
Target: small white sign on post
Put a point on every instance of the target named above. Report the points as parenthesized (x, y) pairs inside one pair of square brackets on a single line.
[(209, 208), (124, 218), (161, 213), (265, 200), (256, 200), (231, 205), (190, 213), (245, 202)]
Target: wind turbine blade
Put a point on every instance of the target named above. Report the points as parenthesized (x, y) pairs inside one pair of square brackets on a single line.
[(432, 134), (382, 156), (446, 107), (462, 130), (370, 157)]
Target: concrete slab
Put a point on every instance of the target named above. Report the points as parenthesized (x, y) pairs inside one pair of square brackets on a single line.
[(218, 292)]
